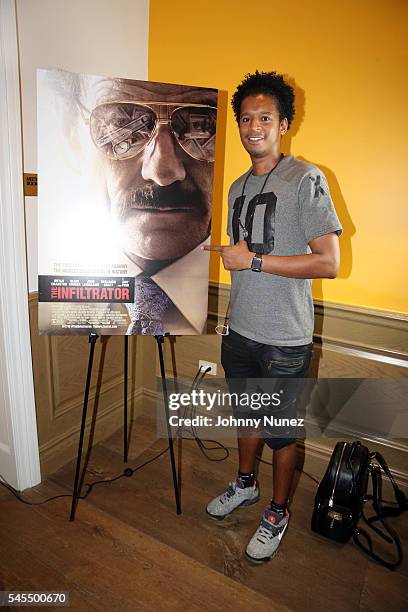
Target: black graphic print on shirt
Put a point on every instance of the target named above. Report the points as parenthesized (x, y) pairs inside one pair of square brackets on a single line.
[(261, 208), (319, 191)]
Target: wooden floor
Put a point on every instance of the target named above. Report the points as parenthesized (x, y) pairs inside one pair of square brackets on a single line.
[(127, 549)]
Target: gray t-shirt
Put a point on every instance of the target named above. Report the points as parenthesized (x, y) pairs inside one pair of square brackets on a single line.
[(294, 208)]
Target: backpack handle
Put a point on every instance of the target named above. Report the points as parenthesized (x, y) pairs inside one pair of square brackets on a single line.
[(380, 513)]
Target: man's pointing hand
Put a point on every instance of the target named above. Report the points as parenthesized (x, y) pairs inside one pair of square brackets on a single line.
[(237, 257)]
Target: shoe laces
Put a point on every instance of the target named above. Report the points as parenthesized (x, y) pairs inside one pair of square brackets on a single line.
[(264, 535), (231, 490), (268, 529)]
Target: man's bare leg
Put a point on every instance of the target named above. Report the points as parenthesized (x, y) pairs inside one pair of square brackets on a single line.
[(284, 465), (247, 449), (242, 492)]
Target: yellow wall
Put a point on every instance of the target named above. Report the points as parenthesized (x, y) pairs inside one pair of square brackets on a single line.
[(348, 60)]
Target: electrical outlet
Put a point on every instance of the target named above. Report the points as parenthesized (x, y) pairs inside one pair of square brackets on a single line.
[(208, 364)]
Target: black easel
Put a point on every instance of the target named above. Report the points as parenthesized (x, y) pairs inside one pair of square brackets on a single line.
[(75, 494), (92, 341), (125, 403), (160, 342)]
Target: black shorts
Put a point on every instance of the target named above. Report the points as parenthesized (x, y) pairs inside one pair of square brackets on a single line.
[(244, 360)]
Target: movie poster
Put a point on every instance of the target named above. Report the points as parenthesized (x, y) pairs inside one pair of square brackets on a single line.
[(125, 194)]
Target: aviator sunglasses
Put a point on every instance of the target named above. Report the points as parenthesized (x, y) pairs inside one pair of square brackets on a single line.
[(121, 129)]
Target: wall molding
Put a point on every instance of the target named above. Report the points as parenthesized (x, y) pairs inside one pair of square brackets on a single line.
[(360, 332), (380, 333), (352, 351), (62, 448), (76, 402)]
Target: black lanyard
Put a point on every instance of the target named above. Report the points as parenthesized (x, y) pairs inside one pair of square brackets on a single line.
[(245, 227)]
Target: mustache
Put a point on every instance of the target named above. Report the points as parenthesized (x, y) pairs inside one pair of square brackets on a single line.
[(152, 196)]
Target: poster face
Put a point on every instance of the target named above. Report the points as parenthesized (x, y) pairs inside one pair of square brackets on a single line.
[(125, 192)]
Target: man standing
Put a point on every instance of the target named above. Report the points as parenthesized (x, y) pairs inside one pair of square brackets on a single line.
[(284, 232)]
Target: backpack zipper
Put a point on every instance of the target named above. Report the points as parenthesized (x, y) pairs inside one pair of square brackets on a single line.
[(331, 500)]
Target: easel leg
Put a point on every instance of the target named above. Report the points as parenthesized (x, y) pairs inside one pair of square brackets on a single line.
[(160, 341), (75, 494), (125, 402)]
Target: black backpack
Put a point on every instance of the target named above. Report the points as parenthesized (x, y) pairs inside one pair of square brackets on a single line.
[(340, 498)]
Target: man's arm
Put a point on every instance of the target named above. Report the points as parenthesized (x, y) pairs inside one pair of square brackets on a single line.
[(322, 262)]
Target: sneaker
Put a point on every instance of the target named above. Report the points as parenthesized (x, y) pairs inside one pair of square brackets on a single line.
[(266, 539), (234, 497)]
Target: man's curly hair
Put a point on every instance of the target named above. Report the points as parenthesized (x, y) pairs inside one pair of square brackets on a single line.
[(268, 83)]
